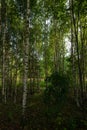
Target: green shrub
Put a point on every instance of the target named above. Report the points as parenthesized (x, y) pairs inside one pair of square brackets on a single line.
[(42, 84), (57, 89), (72, 124)]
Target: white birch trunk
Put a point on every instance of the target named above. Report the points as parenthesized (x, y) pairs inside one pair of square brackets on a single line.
[(26, 49)]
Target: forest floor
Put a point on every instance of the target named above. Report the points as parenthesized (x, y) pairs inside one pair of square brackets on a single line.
[(40, 116)]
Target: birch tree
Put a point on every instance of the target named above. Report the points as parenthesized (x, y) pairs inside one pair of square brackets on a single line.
[(26, 52)]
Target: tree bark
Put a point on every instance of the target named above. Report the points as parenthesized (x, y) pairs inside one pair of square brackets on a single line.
[(26, 49), (77, 49)]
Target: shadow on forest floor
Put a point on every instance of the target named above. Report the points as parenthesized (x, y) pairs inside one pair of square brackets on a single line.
[(39, 116)]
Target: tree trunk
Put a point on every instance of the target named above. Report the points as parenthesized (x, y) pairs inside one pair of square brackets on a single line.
[(73, 59), (26, 49), (3, 29), (77, 49)]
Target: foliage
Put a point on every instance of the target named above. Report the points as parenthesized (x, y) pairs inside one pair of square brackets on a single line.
[(57, 89), (72, 124), (48, 27)]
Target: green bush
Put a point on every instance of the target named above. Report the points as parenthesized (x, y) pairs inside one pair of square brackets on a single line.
[(57, 88)]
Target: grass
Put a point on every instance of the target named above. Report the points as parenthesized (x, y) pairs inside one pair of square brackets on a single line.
[(40, 116)]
